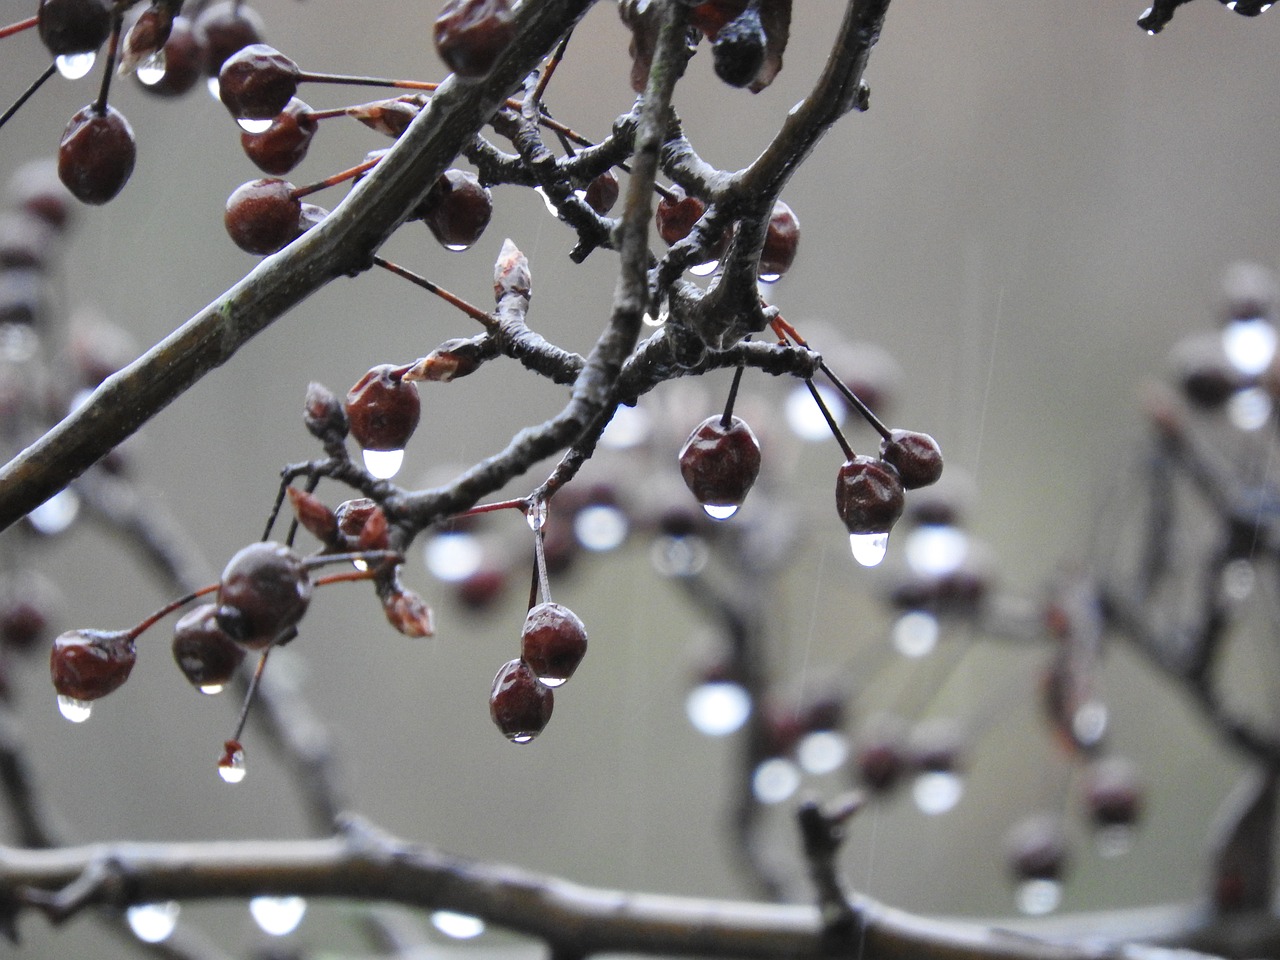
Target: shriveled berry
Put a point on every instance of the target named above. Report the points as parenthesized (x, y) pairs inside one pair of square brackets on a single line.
[(916, 456), (457, 208), (184, 56), (147, 36), (224, 28), (257, 82), (675, 216), (553, 642), (519, 705), (263, 216), (720, 462), (470, 35), (97, 153), (739, 47), (383, 409), (869, 495), (204, 652), (88, 664), (281, 147), (73, 26), (264, 590), (781, 241), (602, 192)]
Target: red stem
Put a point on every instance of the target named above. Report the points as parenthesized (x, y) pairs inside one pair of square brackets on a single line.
[(18, 27)]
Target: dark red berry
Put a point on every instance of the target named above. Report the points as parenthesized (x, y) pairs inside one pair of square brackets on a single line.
[(881, 757), (602, 192), (264, 590), (916, 456), (869, 495), (281, 147), (739, 47), (553, 642), (88, 664), (97, 153), (1113, 794), (263, 216), (146, 37), (383, 409), (184, 57), (73, 26), (781, 241), (224, 28), (457, 208), (519, 704), (719, 463), (204, 652), (257, 82), (675, 216), (28, 604), (470, 35)]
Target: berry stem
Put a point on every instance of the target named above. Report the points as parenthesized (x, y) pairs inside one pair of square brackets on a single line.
[(368, 556), (168, 608), (338, 78), (109, 69), (349, 174), (18, 27), (854, 400), (521, 504), (250, 694), (727, 418), (27, 94), (548, 71), (469, 309), (540, 566), (831, 421)]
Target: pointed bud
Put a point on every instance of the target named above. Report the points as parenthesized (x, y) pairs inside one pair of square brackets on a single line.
[(314, 515), (511, 273)]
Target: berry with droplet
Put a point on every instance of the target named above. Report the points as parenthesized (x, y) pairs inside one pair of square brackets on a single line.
[(720, 462), (263, 216), (470, 35), (89, 664), (73, 26), (224, 28), (676, 215), (457, 208), (383, 409), (553, 642), (869, 495), (184, 57), (96, 154), (204, 652), (518, 703), (264, 590), (916, 456), (257, 82), (781, 241), (738, 49), (281, 147)]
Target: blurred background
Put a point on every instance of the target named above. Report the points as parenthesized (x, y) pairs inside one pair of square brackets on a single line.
[(1038, 205)]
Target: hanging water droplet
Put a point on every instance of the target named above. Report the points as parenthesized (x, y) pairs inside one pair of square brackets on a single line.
[(915, 634), (1037, 897), (452, 557), (56, 514), (536, 515), (869, 548), (277, 916), (73, 66), (720, 511), (1250, 344), (212, 689), (77, 711), (459, 926), (151, 68), (231, 767), (520, 737), (704, 269), (18, 342), (457, 247), (600, 527), (775, 780), (769, 277), (552, 681), (679, 556), (383, 464), (1089, 723), (215, 90), (253, 126), (1249, 409), (822, 752), (718, 708), (936, 549), (806, 420), (153, 922), (937, 791)]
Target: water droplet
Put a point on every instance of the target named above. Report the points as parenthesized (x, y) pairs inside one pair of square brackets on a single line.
[(1035, 898), (383, 464), (77, 711), (360, 565), (806, 420), (457, 247), (56, 514), (720, 511), (600, 527), (775, 780), (231, 767), (679, 556), (1114, 841), (277, 916), (915, 634), (151, 69), (536, 515), (869, 548), (215, 90), (935, 549), (452, 557), (552, 682), (18, 342), (937, 791), (1250, 344), (212, 689), (73, 66), (704, 269), (1089, 723), (628, 428), (519, 737), (1249, 409), (718, 708), (153, 922), (822, 752), (1238, 579), (664, 313), (460, 926), (253, 126), (769, 277)]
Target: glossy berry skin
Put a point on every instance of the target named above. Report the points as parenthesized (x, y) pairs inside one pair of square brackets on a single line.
[(916, 456), (739, 47), (73, 26), (263, 216), (602, 192), (88, 664), (553, 642), (720, 463), (675, 217), (456, 209), (264, 590), (869, 495), (96, 154), (518, 703), (224, 28), (257, 82), (184, 57), (204, 652), (383, 409), (470, 35), (781, 241), (281, 147)]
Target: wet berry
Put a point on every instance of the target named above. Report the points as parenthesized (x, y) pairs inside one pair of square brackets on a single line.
[(675, 216), (383, 409), (257, 82), (739, 47), (602, 192), (281, 147), (88, 664), (781, 241), (553, 642), (224, 28), (470, 35), (869, 495), (719, 463), (263, 216), (518, 703), (264, 590), (204, 652), (457, 208), (73, 26), (184, 57), (97, 153), (916, 456)]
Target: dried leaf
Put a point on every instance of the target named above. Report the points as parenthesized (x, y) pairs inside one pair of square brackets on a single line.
[(452, 359), (314, 515), (409, 613), (389, 117), (373, 535)]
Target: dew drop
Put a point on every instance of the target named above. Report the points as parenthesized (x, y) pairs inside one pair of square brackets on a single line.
[(459, 926), (718, 708), (73, 66), (1250, 344), (452, 557), (536, 515), (231, 767), (600, 527), (915, 634), (457, 247), (383, 464), (77, 711), (869, 548), (720, 511), (704, 269), (1038, 897), (775, 780), (277, 916), (552, 682), (937, 792), (806, 420), (520, 737), (769, 277), (936, 549), (1089, 723), (215, 90), (56, 514), (151, 69), (822, 752), (253, 126), (212, 689), (153, 922), (679, 556), (1249, 409)]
